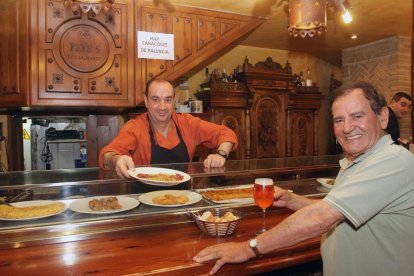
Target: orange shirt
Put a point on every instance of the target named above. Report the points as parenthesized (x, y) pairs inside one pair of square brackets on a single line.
[(133, 139)]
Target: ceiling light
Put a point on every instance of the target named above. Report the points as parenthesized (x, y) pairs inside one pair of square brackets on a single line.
[(307, 17), (354, 36), (86, 5), (344, 7)]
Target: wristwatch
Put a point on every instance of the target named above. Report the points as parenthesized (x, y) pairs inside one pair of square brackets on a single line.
[(222, 153), (253, 247)]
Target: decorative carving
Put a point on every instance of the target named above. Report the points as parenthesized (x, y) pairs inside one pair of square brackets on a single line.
[(206, 32), (230, 86), (57, 78), (267, 122), (109, 18), (266, 66), (226, 27), (84, 48), (58, 13), (230, 122), (302, 133), (110, 81)]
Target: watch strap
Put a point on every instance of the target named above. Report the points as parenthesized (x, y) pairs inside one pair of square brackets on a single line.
[(254, 248), (222, 153)]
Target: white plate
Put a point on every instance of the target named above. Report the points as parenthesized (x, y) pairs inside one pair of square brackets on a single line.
[(193, 197), (324, 182), (155, 170), (82, 205), (34, 203)]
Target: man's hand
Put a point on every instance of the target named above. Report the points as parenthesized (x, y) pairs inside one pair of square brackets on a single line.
[(122, 164), (282, 197), (214, 161), (225, 253)]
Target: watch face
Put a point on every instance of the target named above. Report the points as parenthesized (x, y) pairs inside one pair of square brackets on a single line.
[(253, 243)]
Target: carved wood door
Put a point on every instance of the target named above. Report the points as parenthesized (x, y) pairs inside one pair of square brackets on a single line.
[(233, 118), (302, 132), (268, 125)]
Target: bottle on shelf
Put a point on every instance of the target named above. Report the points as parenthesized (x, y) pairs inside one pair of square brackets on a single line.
[(206, 75), (298, 81), (224, 75), (308, 78), (235, 73)]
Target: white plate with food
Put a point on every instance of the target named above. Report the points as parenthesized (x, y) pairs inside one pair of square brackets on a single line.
[(170, 198), (31, 210), (159, 176), (326, 182), (242, 194), (231, 194), (103, 204)]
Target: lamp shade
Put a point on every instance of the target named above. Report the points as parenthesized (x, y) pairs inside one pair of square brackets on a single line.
[(307, 17)]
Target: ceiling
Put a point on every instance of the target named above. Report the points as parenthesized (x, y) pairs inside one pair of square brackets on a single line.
[(372, 20)]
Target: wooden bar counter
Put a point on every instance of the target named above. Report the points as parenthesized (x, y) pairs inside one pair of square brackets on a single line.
[(144, 241), (167, 248)]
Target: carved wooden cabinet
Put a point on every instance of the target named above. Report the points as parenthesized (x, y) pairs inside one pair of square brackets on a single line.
[(271, 116), (229, 106)]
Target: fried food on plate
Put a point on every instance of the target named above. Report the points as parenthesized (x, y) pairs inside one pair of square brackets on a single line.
[(169, 199), (12, 212), (225, 194), (161, 176), (105, 203)]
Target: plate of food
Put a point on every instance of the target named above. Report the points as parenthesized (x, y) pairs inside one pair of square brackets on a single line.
[(103, 204), (326, 182), (159, 176), (242, 193), (31, 210), (170, 198)]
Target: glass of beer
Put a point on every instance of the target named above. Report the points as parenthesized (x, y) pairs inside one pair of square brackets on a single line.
[(263, 193)]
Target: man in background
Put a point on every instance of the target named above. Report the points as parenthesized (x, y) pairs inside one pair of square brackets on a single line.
[(399, 106)]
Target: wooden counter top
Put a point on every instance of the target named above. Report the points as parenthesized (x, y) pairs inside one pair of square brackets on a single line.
[(153, 250)]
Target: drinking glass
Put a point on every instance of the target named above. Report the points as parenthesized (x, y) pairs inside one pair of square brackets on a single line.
[(263, 193)]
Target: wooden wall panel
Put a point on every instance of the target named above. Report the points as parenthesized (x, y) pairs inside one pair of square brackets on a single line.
[(199, 35), (13, 52)]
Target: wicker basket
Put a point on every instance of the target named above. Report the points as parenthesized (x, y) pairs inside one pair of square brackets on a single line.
[(217, 228)]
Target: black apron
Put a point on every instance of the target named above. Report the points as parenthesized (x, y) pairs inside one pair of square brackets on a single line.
[(161, 155)]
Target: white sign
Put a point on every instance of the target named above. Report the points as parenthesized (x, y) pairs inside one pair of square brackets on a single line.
[(155, 45)]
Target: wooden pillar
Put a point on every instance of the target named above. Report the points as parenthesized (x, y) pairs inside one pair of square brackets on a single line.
[(15, 158)]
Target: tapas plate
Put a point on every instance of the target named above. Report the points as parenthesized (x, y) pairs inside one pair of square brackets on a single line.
[(177, 177), (326, 182), (214, 194), (193, 197), (82, 205), (34, 203)]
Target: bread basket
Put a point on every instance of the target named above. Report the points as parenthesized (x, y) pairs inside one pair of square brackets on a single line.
[(216, 228)]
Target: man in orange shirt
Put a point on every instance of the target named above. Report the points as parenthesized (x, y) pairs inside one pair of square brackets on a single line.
[(161, 136)]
